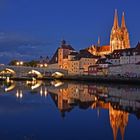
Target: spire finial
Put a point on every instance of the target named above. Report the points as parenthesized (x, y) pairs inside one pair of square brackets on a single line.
[(123, 25), (98, 41), (116, 25), (63, 42)]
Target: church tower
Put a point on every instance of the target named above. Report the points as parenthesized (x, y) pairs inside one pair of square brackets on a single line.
[(125, 34), (119, 38)]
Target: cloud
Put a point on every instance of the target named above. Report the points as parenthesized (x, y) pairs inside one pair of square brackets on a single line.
[(15, 46)]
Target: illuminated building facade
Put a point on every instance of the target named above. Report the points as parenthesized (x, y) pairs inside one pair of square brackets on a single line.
[(119, 39), (75, 62)]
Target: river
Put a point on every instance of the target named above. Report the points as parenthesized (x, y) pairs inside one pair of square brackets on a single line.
[(52, 110)]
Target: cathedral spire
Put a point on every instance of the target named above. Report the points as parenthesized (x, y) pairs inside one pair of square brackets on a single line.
[(122, 129), (116, 25), (123, 25)]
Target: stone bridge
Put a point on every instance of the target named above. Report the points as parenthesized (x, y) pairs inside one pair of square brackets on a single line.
[(22, 71)]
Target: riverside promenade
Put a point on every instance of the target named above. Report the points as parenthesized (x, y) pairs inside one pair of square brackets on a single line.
[(83, 78), (100, 79)]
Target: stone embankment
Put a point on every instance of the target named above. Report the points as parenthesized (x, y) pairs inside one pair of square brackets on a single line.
[(102, 79), (86, 78)]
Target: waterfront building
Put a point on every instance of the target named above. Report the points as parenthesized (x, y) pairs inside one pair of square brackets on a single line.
[(60, 58), (81, 62), (125, 56), (84, 61), (75, 62)]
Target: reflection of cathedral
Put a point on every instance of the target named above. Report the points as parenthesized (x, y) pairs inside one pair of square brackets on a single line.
[(119, 100), (118, 120), (87, 96)]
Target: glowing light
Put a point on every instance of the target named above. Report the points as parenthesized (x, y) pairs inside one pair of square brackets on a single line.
[(41, 91), (45, 65), (17, 94), (6, 90), (17, 63), (36, 85), (8, 79), (21, 95), (45, 92), (21, 63), (41, 65)]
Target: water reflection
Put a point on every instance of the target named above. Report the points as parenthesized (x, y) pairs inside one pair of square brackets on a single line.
[(119, 100)]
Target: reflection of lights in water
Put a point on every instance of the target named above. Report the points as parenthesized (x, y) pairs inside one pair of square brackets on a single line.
[(57, 83), (11, 87), (17, 94), (71, 101), (34, 79), (21, 95), (41, 91), (34, 84), (8, 79), (37, 84), (5, 89), (56, 98), (45, 92), (95, 98)]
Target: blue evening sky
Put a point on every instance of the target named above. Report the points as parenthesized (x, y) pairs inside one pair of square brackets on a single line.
[(30, 28)]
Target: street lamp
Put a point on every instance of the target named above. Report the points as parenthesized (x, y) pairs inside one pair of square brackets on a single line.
[(19, 63)]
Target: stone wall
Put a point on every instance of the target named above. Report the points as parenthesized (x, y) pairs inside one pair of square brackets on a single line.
[(131, 70)]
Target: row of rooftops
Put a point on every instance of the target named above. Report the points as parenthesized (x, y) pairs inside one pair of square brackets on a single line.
[(100, 48), (84, 53), (77, 55), (116, 54)]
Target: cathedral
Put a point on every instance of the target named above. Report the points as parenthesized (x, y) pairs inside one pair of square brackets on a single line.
[(119, 39)]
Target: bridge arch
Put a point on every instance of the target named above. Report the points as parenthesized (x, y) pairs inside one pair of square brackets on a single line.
[(35, 74), (7, 72)]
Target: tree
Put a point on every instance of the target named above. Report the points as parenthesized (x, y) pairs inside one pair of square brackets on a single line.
[(13, 62)]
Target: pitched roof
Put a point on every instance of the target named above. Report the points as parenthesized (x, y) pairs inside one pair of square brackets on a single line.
[(102, 61), (69, 47), (54, 59), (64, 45), (137, 47), (85, 54), (103, 48), (116, 54)]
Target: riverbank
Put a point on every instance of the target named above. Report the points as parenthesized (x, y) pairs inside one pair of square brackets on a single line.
[(85, 78), (100, 79)]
